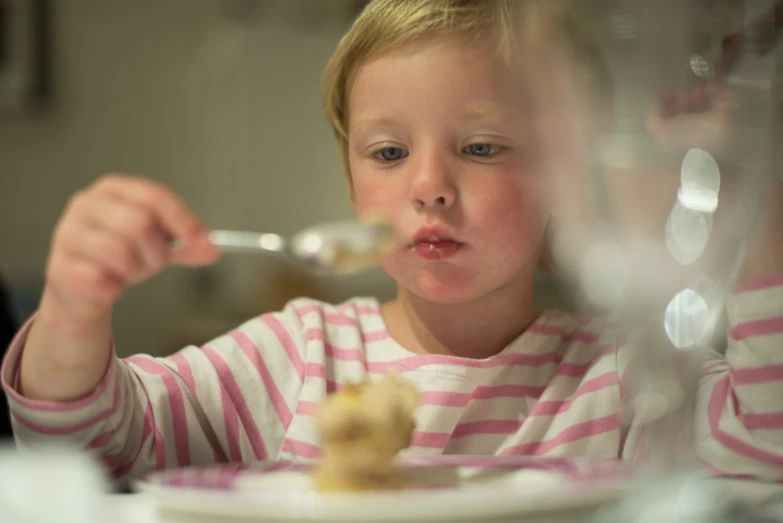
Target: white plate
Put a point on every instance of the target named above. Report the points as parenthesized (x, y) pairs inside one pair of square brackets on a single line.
[(448, 488)]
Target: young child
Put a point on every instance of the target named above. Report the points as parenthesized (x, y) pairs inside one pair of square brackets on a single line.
[(436, 133)]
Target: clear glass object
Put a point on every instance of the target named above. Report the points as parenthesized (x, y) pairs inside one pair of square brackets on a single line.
[(657, 235)]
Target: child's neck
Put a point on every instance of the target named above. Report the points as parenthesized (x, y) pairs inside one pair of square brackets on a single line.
[(478, 329)]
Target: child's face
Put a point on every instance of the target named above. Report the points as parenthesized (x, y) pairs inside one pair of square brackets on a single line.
[(439, 141)]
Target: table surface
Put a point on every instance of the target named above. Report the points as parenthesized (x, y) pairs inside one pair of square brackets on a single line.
[(140, 508)]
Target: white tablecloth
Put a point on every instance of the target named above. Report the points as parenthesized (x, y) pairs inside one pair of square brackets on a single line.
[(63, 487), (138, 508), (127, 508)]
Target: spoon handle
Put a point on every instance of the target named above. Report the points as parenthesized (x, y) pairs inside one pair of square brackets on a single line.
[(245, 241)]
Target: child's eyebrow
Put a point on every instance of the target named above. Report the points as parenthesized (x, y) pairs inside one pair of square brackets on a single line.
[(473, 113), (484, 112), (374, 119)]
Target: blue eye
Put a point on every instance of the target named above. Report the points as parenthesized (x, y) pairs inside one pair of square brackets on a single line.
[(481, 149), (391, 154)]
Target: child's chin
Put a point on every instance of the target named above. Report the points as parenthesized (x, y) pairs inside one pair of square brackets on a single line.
[(445, 284), (447, 291)]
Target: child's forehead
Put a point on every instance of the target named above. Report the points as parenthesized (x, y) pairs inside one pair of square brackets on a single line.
[(464, 67)]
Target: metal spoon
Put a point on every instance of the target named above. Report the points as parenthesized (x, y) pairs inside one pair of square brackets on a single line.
[(331, 248)]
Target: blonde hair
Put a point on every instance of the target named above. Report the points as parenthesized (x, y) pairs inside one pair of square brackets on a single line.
[(385, 25)]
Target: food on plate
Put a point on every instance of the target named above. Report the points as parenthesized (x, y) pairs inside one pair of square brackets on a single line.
[(363, 427)]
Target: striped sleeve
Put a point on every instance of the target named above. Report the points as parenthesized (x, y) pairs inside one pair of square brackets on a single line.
[(740, 425), (738, 428), (229, 400)]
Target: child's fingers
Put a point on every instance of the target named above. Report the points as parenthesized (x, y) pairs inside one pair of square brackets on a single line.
[(117, 233), (668, 103), (111, 252), (198, 252), (173, 217), (698, 100), (702, 116), (682, 101), (722, 97), (136, 226)]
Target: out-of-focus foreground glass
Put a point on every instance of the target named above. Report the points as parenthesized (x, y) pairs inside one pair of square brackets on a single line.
[(655, 205)]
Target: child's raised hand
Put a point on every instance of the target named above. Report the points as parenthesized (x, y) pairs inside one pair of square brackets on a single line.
[(117, 233), (700, 117), (705, 117)]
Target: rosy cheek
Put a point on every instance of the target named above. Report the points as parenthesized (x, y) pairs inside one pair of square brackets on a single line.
[(511, 215), (371, 198)]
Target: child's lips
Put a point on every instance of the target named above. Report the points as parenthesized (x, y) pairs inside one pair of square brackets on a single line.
[(436, 250)]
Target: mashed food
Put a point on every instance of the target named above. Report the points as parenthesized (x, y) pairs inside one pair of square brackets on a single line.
[(363, 428)]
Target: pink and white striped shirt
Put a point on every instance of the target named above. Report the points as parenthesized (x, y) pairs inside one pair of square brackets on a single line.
[(557, 390)]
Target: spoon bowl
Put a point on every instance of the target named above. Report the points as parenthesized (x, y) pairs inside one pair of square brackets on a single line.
[(343, 247)]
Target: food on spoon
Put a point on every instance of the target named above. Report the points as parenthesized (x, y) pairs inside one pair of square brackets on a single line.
[(356, 254), (363, 428)]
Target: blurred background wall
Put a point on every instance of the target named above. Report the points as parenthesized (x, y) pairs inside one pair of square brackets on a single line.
[(220, 100)]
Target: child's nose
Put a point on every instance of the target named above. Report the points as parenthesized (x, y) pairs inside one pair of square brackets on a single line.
[(440, 201), (432, 187)]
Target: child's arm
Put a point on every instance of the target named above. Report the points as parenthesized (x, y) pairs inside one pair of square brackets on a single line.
[(740, 408), (740, 405), (61, 376), (739, 411), (738, 416), (112, 235), (231, 400)]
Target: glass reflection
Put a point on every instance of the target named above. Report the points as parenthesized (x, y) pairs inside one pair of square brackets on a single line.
[(687, 233), (686, 319), (622, 24), (699, 181), (699, 66)]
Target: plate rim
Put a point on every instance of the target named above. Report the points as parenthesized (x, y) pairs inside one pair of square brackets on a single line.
[(310, 506)]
